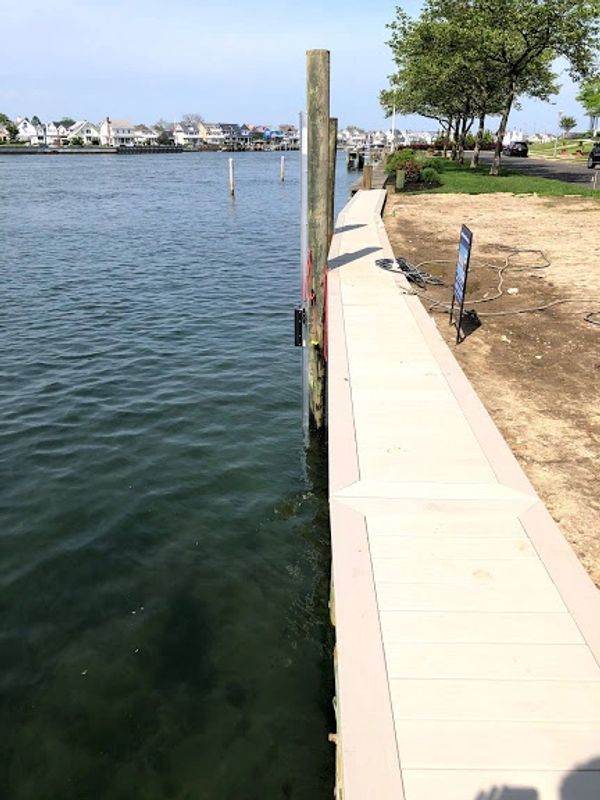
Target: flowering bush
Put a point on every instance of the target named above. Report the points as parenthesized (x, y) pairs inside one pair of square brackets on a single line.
[(414, 166)]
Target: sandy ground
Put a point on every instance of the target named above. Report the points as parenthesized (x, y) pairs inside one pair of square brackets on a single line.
[(537, 373)]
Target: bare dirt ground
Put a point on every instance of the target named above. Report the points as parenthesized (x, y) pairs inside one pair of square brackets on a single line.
[(538, 373)]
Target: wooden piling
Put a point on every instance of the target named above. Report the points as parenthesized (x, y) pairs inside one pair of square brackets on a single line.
[(231, 178), (317, 91), (282, 169), (367, 176), (333, 127)]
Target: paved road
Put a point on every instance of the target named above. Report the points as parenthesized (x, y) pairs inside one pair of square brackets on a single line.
[(559, 170)]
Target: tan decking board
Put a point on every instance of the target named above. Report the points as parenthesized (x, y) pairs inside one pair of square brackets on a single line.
[(468, 635)]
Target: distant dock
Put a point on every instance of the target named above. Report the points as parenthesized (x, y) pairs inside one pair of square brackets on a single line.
[(88, 151), (467, 632)]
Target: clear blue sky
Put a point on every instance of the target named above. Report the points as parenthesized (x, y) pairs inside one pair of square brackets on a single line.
[(228, 60)]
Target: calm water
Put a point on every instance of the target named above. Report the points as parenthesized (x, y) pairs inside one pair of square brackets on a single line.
[(163, 535)]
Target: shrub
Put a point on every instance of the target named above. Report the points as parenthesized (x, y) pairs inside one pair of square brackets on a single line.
[(430, 175), (438, 164), (398, 160)]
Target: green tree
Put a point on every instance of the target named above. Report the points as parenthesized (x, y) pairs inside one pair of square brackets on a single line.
[(13, 131), (164, 138), (442, 73), (35, 120), (67, 122), (523, 37), (486, 54), (567, 124), (4, 119), (589, 96)]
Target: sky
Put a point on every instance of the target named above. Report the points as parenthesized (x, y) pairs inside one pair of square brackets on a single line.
[(229, 61)]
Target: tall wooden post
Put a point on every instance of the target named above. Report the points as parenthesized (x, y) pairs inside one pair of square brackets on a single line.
[(317, 91), (333, 127)]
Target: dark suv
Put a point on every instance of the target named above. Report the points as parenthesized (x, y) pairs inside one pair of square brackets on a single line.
[(594, 156), (517, 149)]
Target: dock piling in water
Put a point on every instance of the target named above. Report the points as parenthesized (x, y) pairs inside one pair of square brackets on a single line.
[(231, 178), (282, 169), (319, 189)]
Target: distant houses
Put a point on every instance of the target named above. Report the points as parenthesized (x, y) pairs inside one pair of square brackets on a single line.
[(123, 133)]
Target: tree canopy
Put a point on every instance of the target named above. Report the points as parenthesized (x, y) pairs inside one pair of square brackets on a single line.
[(567, 123), (589, 96), (463, 59)]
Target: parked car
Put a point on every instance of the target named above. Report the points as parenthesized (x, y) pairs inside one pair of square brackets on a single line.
[(517, 149), (594, 157)]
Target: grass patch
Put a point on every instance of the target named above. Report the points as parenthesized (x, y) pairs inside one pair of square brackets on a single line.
[(462, 180), (571, 146)]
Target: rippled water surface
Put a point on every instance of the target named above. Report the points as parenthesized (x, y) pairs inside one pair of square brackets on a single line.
[(163, 535)]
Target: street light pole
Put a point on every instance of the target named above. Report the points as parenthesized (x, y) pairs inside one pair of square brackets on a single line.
[(558, 134)]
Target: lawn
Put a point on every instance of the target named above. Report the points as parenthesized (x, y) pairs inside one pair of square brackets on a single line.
[(571, 146), (461, 179)]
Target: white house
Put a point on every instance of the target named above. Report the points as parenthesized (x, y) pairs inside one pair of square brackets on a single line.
[(84, 130), (143, 135), (55, 134), (29, 133), (117, 133), (291, 135), (187, 135), (514, 135)]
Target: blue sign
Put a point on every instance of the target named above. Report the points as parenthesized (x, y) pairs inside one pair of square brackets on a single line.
[(460, 277)]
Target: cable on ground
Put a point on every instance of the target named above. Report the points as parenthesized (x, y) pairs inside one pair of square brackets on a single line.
[(421, 278)]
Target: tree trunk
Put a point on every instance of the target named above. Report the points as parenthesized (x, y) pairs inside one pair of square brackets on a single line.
[(447, 138), (462, 139), (495, 168), (478, 142), (455, 139)]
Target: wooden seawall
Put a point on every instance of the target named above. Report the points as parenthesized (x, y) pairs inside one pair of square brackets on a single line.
[(468, 633)]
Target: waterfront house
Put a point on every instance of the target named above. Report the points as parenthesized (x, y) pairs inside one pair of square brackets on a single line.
[(143, 135), (55, 134), (4, 135), (86, 131), (116, 133), (233, 135), (29, 133), (187, 135), (211, 133), (291, 136)]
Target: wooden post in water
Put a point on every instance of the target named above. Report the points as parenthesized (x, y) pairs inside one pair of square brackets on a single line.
[(231, 178), (282, 169), (317, 92), (333, 127)]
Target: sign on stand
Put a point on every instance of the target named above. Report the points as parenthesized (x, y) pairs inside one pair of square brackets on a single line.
[(460, 280)]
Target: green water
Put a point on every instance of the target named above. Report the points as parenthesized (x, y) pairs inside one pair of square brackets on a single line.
[(164, 558)]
